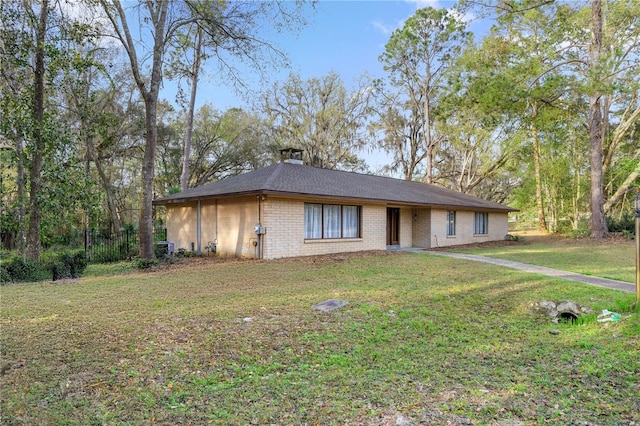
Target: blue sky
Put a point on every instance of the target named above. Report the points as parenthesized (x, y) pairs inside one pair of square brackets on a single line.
[(342, 36)]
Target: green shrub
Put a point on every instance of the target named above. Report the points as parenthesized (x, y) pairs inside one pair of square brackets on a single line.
[(5, 276), (25, 270), (579, 233), (67, 264), (626, 223), (583, 230), (70, 264)]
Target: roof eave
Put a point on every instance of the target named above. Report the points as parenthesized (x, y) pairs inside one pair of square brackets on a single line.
[(505, 209), (162, 202)]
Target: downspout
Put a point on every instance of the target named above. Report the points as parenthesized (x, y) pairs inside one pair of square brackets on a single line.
[(198, 231), (216, 222), (259, 236)]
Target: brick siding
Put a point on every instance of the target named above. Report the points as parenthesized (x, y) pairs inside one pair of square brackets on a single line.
[(229, 222)]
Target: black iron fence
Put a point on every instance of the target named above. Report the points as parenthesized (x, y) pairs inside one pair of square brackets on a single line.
[(103, 247)]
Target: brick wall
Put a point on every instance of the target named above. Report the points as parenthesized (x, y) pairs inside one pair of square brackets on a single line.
[(284, 219), (422, 228), (498, 228), (230, 221)]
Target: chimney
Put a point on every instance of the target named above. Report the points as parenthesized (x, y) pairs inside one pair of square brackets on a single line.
[(291, 155)]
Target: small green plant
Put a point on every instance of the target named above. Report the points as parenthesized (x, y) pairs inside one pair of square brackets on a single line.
[(579, 233), (629, 235), (181, 252), (146, 264)]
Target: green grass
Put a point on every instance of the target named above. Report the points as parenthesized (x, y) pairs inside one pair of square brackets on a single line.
[(613, 259), (107, 269), (436, 340)]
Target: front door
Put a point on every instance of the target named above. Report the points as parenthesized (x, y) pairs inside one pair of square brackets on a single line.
[(393, 226)]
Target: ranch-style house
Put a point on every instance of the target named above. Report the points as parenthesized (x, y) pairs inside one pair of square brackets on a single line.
[(290, 209)]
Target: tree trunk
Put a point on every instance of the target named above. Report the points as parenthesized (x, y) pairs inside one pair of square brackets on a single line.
[(151, 122), (184, 180), (22, 196), (537, 161), (146, 210), (428, 178), (426, 130), (598, 223), (34, 246)]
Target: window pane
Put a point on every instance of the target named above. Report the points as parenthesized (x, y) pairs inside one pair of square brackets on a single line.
[(350, 222), (481, 223), (312, 221), (331, 221), (451, 223)]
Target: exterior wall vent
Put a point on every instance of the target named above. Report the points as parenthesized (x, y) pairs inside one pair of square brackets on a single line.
[(291, 155)]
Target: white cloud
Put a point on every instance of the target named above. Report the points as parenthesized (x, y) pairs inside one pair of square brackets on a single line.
[(385, 29), (425, 3)]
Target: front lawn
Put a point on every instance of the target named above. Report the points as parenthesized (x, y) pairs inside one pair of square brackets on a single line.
[(424, 339), (612, 258)]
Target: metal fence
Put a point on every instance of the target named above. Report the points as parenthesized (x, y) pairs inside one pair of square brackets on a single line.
[(101, 247)]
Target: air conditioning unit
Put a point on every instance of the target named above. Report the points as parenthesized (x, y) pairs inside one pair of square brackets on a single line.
[(166, 247)]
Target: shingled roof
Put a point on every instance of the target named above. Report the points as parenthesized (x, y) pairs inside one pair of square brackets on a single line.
[(307, 181)]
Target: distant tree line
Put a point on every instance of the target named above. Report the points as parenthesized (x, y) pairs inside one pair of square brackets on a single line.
[(543, 112)]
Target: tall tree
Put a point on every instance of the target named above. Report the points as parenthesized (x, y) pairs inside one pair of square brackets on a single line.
[(416, 58), (149, 87), (321, 117), (14, 116), (38, 46), (234, 27), (34, 246), (528, 41), (185, 63), (398, 131), (570, 56), (598, 222)]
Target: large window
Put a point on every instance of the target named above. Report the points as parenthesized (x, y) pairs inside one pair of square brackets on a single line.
[(451, 223), (328, 221), (481, 223)]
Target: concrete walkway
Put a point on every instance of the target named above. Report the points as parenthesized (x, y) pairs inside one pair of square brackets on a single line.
[(555, 273)]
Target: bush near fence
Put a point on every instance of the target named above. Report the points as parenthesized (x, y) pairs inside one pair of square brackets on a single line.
[(53, 266)]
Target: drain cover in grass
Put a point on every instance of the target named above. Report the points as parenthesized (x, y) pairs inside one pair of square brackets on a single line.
[(329, 305)]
